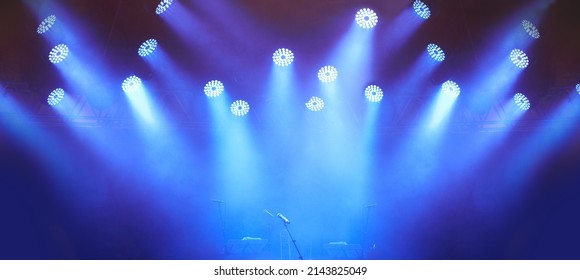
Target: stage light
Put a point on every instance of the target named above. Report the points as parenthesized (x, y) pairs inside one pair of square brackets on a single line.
[(147, 48), (522, 101), (366, 18), (55, 97), (283, 57), (240, 108), (519, 58), (436, 52), (213, 88), (421, 9), (46, 24), (315, 104), (58, 53), (531, 29), (451, 89), (578, 88), (327, 74), (163, 6), (131, 84), (374, 93)]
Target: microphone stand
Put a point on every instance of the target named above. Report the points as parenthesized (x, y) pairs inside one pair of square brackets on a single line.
[(222, 225), (293, 241), (366, 229)]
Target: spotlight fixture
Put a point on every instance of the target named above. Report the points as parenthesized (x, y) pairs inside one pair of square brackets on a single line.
[(327, 74), (366, 18), (213, 88), (147, 48), (283, 57), (58, 53), (163, 6), (531, 29), (578, 88), (46, 24), (131, 84), (55, 97), (421, 9), (451, 88), (374, 93), (436, 52), (240, 108), (522, 101), (519, 58), (315, 104)]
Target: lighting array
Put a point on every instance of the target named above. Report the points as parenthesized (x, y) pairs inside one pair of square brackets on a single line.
[(46, 24), (283, 57), (55, 97), (421, 9), (366, 18), (327, 74), (436, 52), (240, 108), (58, 53), (578, 88), (531, 29), (315, 104), (519, 58), (163, 6), (213, 88), (131, 84), (374, 93), (522, 101), (451, 89), (147, 48)]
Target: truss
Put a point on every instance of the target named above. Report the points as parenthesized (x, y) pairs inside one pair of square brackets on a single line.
[(403, 118)]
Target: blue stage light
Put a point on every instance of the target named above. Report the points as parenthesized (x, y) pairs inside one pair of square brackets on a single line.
[(131, 84), (578, 88), (327, 74), (519, 58), (283, 57), (366, 18), (58, 53), (421, 9), (163, 6), (531, 29), (374, 93), (55, 97), (213, 88), (522, 101), (46, 24), (315, 104), (240, 108), (436, 52), (451, 89), (147, 48)]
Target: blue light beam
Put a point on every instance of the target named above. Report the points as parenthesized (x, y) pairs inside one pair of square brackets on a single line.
[(443, 104), (141, 103), (281, 98)]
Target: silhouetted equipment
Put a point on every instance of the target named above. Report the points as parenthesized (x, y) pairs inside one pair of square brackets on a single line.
[(343, 250)]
